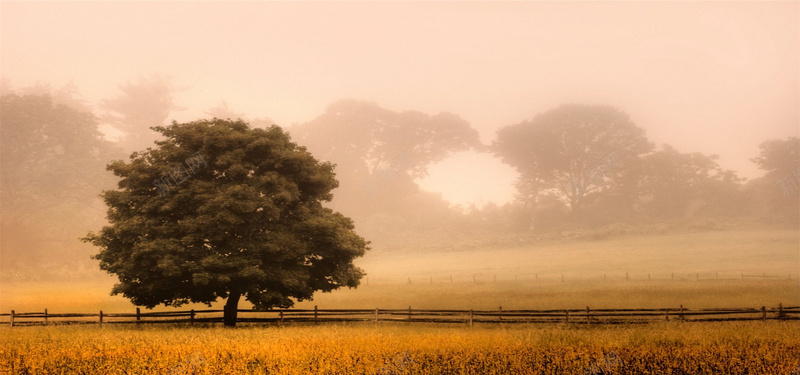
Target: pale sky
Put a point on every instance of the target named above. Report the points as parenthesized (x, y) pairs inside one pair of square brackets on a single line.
[(711, 77)]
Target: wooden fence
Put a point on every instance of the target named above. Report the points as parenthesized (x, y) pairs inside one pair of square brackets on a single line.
[(470, 317)]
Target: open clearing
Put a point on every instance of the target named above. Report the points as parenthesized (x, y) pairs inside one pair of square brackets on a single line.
[(528, 277)]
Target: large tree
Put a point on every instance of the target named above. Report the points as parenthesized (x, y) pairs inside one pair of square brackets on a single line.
[(221, 210), (577, 152)]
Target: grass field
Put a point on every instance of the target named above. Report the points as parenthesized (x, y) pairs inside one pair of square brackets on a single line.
[(663, 348), (517, 286), (518, 277)]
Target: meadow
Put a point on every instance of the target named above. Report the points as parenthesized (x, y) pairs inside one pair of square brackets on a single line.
[(526, 276), (395, 348), (708, 266)]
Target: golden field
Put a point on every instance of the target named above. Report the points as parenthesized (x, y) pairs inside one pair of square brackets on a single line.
[(396, 348)]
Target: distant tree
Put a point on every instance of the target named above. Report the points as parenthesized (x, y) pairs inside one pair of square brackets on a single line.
[(776, 195), (376, 136), (140, 106), (551, 211), (51, 161), (379, 152), (780, 156), (577, 152), (67, 95), (221, 210), (675, 184)]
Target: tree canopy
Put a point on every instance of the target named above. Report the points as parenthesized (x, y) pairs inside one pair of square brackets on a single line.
[(779, 155), (374, 135), (776, 195), (574, 151), (221, 210), (379, 152), (674, 184)]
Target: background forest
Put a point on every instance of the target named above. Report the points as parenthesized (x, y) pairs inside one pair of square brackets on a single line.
[(584, 172)]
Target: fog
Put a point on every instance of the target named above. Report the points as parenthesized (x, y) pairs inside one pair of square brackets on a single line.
[(690, 74), (711, 78)]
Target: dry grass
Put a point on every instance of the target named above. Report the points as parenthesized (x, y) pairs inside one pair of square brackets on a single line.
[(663, 348)]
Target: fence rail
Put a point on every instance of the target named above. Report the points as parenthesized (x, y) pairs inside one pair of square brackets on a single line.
[(471, 317)]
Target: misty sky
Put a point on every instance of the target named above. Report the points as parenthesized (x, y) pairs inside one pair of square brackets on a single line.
[(714, 77)]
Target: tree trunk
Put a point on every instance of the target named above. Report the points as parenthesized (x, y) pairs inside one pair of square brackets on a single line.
[(231, 309)]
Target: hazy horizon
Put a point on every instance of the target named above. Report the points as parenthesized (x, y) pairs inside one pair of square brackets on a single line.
[(715, 78)]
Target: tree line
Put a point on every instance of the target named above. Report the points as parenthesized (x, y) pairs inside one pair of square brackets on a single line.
[(579, 166)]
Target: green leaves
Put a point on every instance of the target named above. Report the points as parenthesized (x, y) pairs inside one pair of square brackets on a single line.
[(248, 221)]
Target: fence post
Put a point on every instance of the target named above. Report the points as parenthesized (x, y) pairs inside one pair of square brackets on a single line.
[(138, 315), (764, 313), (101, 317), (587, 313), (681, 314), (315, 314), (470, 318), (376, 315), (501, 314), (280, 313), (780, 310), (191, 316), (667, 315), (12, 318), (45, 316), (409, 314)]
